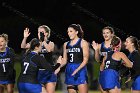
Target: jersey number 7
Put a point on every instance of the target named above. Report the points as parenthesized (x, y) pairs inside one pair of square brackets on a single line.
[(26, 64)]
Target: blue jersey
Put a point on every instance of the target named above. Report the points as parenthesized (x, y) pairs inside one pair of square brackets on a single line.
[(103, 50), (75, 52), (7, 72), (28, 80), (110, 74), (75, 58), (30, 65), (110, 63), (135, 58), (43, 75), (135, 70), (29, 70), (47, 55)]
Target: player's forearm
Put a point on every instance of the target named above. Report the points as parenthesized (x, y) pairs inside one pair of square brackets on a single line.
[(97, 56), (83, 64), (23, 43), (64, 62)]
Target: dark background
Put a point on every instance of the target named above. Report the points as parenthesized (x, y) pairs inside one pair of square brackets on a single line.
[(92, 15)]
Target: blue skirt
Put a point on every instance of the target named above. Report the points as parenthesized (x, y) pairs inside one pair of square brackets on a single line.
[(100, 77), (29, 88), (79, 78), (7, 82), (45, 76), (136, 83), (109, 79)]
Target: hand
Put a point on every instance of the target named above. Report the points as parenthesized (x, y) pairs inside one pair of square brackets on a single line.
[(26, 32), (42, 36), (59, 60), (75, 71), (94, 45), (129, 79), (51, 44)]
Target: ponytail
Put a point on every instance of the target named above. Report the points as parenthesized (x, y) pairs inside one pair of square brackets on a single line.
[(116, 43), (135, 41)]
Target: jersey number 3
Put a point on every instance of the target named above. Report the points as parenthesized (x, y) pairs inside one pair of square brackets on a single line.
[(26, 67), (71, 57)]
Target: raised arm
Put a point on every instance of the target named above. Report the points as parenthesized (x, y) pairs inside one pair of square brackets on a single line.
[(96, 47), (26, 34)]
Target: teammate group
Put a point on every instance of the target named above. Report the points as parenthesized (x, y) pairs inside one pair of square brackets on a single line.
[(39, 70)]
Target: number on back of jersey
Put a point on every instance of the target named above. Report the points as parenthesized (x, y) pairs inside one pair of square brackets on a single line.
[(107, 64), (26, 65)]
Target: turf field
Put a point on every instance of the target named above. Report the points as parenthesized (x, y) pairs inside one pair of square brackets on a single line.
[(91, 92), (98, 92)]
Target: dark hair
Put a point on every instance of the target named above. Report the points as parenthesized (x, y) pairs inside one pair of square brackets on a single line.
[(34, 43), (78, 28), (110, 29), (135, 41), (115, 41)]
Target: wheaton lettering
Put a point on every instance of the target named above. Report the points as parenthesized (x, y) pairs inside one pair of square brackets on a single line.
[(103, 53), (4, 60), (73, 50)]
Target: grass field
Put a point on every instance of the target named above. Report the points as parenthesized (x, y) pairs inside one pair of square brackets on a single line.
[(98, 92), (90, 92)]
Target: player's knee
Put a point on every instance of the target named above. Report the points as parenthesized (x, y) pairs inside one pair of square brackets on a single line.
[(10, 91)]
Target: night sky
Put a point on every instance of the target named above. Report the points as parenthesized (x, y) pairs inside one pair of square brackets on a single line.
[(59, 14)]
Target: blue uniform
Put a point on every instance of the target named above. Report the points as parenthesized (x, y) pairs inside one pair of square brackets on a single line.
[(135, 71), (103, 52), (43, 75), (7, 71), (30, 65), (75, 57), (110, 74), (29, 88)]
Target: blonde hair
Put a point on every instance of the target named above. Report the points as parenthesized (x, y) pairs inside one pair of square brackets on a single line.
[(47, 29), (5, 36)]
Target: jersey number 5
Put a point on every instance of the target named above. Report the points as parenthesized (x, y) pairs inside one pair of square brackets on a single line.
[(26, 67), (107, 64)]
